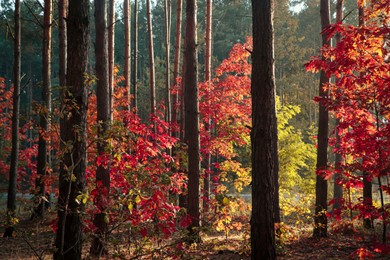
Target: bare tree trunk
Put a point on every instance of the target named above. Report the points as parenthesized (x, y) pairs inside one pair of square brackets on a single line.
[(206, 181), (103, 120), (320, 219), (73, 134), (152, 73), (175, 96), (192, 117), (43, 143), (135, 56), (167, 9), (264, 132), (111, 53), (126, 20), (337, 188), (62, 13), (13, 171)]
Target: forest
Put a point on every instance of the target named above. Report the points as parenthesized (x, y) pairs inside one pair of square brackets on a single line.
[(185, 129)]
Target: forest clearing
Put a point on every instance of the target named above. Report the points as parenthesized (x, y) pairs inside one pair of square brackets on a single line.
[(194, 129)]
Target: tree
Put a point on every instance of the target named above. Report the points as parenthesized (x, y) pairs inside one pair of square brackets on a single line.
[(152, 73), (73, 134), (320, 219), (13, 171), (338, 188), (43, 159), (263, 133), (191, 107), (111, 51), (175, 96), (103, 121), (62, 13), (167, 11), (359, 98), (209, 19), (135, 56), (367, 181), (126, 67)]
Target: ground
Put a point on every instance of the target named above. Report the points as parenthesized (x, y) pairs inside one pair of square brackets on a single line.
[(34, 240)]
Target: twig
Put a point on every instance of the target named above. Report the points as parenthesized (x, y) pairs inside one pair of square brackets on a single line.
[(32, 248), (10, 30), (36, 18)]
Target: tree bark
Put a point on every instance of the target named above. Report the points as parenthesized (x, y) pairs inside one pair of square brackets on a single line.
[(167, 9), (62, 13), (126, 69), (367, 182), (135, 56), (111, 53), (74, 102), (175, 97), (206, 181), (152, 73), (44, 117), (192, 117), (13, 171), (320, 219), (337, 188), (264, 132), (103, 120), (176, 62)]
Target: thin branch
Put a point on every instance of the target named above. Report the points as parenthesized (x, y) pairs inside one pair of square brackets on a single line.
[(36, 18), (10, 30)]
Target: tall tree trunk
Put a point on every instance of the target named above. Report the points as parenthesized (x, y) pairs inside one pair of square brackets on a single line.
[(111, 53), (192, 117), (73, 134), (103, 120), (264, 132), (62, 13), (337, 188), (152, 73), (176, 62), (206, 181), (367, 182), (320, 219), (126, 73), (11, 199), (167, 9), (135, 56), (43, 143)]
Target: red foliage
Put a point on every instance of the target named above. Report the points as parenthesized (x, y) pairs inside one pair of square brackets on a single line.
[(360, 99)]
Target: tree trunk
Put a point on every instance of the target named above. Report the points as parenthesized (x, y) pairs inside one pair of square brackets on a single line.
[(62, 13), (176, 62), (206, 181), (44, 117), (103, 121), (192, 117), (367, 183), (11, 199), (73, 134), (167, 9), (152, 74), (264, 132), (320, 219), (337, 188), (126, 73), (111, 53), (135, 56)]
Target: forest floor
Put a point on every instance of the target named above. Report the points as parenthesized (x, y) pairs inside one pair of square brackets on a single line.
[(34, 240)]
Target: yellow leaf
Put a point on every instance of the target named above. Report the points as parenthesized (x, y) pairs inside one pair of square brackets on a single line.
[(137, 199)]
